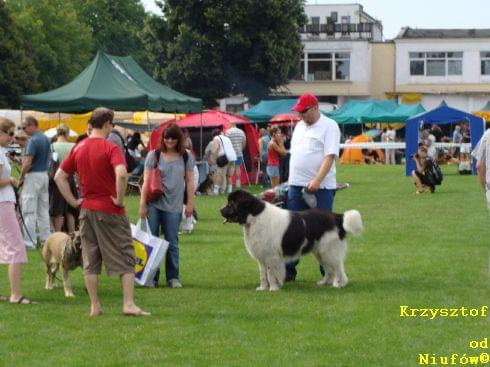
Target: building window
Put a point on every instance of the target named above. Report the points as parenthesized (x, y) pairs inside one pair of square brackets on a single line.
[(436, 63), (417, 63), (326, 66), (319, 66), (455, 63), (342, 66), (485, 62)]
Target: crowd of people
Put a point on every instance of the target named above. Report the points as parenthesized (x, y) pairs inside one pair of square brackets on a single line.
[(88, 189)]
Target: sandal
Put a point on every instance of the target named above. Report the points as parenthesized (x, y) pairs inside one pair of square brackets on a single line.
[(24, 301)]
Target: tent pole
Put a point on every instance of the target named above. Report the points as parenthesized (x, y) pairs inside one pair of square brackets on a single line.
[(148, 119), (200, 139)]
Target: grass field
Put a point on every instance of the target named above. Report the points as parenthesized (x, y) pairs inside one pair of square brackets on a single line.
[(417, 250)]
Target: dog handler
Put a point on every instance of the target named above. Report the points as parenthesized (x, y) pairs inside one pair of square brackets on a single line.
[(104, 226), (12, 249), (314, 145)]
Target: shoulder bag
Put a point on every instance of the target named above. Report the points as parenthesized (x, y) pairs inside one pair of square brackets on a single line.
[(154, 187), (222, 160)]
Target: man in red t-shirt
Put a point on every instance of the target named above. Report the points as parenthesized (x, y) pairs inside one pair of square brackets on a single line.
[(104, 226)]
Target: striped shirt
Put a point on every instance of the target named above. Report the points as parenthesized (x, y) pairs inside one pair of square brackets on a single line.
[(238, 140)]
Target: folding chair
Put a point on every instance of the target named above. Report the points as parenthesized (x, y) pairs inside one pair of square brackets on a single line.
[(134, 184)]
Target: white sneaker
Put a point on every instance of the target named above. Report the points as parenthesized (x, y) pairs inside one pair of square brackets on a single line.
[(174, 283)]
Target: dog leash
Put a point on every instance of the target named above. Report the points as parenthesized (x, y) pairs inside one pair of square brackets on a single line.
[(19, 210)]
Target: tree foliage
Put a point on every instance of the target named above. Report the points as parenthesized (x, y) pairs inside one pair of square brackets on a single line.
[(116, 26), (17, 72), (247, 47), (59, 44)]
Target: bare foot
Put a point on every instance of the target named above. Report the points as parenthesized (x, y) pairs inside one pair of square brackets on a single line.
[(95, 311), (135, 311)]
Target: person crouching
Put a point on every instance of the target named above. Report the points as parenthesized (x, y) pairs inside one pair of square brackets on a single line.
[(422, 178)]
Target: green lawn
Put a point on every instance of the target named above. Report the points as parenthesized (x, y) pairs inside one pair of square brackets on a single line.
[(417, 250)]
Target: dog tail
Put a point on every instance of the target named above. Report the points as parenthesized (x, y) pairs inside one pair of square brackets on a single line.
[(352, 222)]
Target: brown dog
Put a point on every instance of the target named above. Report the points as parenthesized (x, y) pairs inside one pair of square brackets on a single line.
[(62, 251)]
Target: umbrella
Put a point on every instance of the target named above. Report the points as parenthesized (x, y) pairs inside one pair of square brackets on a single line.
[(285, 117), (50, 133), (211, 118), (207, 118)]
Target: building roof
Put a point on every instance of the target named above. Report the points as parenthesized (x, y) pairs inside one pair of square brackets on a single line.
[(409, 33)]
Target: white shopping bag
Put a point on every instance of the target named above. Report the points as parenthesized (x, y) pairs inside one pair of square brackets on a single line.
[(149, 251)]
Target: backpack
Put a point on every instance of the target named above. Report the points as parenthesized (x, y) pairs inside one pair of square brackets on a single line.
[(435, 172), (130, 161), (186, 158)]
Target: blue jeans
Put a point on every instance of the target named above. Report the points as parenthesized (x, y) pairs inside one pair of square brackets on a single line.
[(324, 200), (169, 223), (265, 176)]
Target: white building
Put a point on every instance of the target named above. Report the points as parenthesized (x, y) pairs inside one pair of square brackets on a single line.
[(444, 64), (339, 40)]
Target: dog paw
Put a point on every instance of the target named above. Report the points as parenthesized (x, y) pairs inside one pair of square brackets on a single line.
[(324, 281), (261, 288), (339, 284), (69, 295)]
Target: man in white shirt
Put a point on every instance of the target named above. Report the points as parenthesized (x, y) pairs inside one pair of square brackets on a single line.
[(482, 155), (223, 146), (314, 146), (390, 138), (239, 141)]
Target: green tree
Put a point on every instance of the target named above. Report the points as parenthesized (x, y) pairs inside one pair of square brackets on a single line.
[(17, 72), (116, 26), (60, 45), (249, 46)]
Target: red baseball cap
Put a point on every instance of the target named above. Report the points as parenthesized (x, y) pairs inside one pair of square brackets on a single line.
[(305, 102)]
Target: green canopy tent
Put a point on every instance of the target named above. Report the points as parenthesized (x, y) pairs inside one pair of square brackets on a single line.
[(115, 82), (354, 114), (400, 114), (265, 110), (357, 111)]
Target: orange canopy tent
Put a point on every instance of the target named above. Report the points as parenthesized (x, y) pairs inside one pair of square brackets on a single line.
[(354, 155)]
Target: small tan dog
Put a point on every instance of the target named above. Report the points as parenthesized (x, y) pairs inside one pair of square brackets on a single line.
[(62, 251)]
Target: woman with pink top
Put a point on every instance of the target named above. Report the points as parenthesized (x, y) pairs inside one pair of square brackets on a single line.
[(275, 150), (12, 250)]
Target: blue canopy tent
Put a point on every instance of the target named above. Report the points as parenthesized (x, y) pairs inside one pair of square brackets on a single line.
[(441, 115)]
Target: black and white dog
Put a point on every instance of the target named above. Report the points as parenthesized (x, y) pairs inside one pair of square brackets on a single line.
[(274, 236)]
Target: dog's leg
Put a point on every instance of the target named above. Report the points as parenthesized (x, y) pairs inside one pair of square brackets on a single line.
[(66, 283), (53, 268), (48, 276), (339, 277), (264, 283), (322, 260), (276, 272), (47, 258)]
